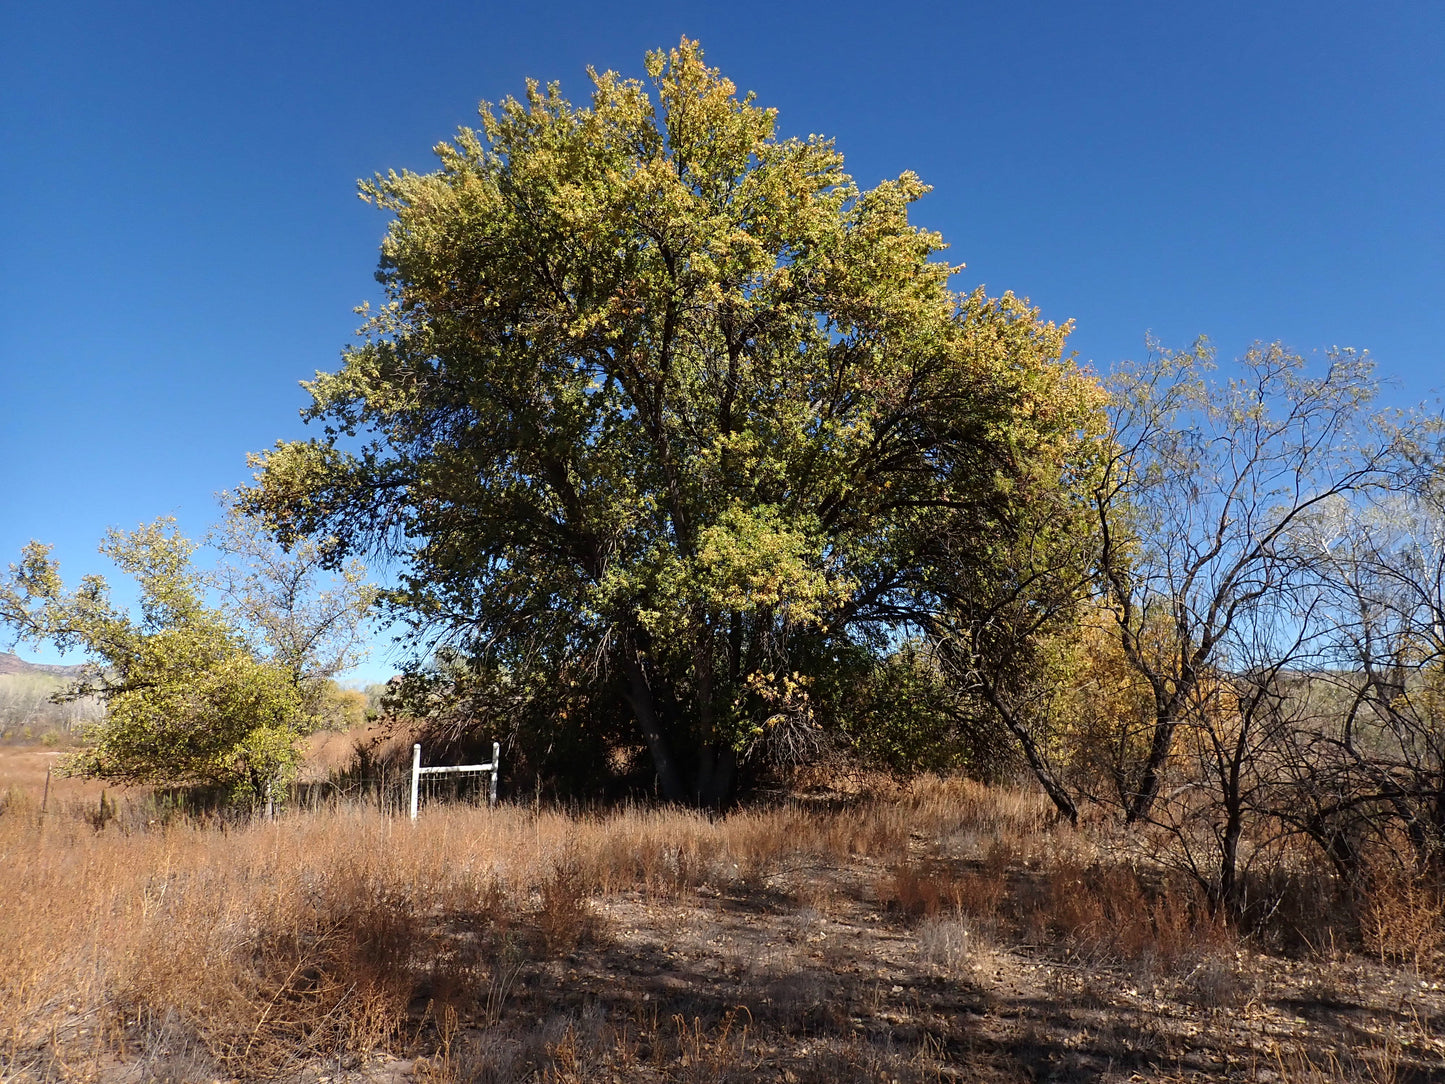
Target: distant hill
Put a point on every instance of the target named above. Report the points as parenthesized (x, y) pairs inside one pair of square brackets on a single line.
[(14, 664), (27, 712)]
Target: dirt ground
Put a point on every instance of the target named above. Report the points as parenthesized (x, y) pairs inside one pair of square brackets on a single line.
[(807, 976)]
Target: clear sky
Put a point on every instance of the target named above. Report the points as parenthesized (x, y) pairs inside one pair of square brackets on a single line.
[(181, 241)]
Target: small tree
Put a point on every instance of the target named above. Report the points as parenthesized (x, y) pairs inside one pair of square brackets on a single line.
[(1198, 507), (295, 611), (1376, 773), (188, 701)]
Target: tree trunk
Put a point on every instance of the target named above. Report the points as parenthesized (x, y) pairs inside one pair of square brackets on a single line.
[(1165, 723), (1229, 886), (717, 774), (1344, 856), (644, 709), (1060, 797)]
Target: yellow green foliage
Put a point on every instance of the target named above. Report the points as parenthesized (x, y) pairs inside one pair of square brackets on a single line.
[(187, 700), (663, 398)]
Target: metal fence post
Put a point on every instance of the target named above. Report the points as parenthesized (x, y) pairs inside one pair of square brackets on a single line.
[(415, 776)]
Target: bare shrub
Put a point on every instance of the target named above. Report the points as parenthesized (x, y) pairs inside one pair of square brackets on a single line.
[(1403, 921), (566, 918), (1217, 981), (947, 943), (1107, 912)]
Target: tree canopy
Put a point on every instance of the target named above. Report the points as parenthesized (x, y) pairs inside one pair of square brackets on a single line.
[(672, 431)]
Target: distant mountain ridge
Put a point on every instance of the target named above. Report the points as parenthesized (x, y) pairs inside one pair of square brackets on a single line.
[(14, 664)]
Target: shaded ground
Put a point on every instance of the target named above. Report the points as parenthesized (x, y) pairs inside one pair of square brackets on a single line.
[(808, 975)]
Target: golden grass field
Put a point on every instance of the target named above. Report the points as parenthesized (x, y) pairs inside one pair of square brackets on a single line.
[(940, 931)]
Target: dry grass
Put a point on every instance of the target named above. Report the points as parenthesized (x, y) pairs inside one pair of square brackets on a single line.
[(1404, 922), (942, 931)]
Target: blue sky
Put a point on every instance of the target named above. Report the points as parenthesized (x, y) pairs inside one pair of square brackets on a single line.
[(182, 243)]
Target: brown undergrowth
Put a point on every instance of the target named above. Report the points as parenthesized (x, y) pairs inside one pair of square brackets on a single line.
[(940, 931)]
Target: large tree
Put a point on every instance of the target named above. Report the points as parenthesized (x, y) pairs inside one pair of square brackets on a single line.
[(670, 427)]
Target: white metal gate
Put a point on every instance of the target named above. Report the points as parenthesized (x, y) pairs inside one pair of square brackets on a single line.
[(417, 771)]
